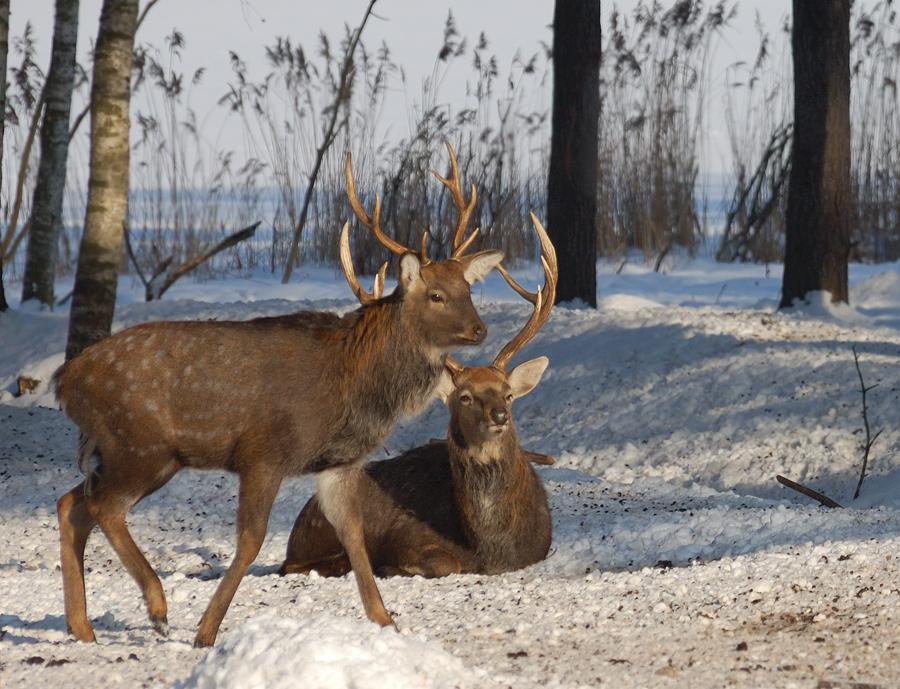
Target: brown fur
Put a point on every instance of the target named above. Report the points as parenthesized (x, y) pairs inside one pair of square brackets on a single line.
[(266, 399), (470, 504)]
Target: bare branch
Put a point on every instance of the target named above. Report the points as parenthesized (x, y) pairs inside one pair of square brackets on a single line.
[(328, 139), (865, 414), (164, 278)]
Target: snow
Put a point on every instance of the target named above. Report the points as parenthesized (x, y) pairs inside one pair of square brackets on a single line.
[(677, 559)]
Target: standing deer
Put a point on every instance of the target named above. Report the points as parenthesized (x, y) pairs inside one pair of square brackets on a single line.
[(266, 399), (472, 504)]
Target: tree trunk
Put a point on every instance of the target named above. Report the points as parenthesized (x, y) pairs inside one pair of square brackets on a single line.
[(572, 183), (47, 208), (4, 52), (817, 238), (97, 276)]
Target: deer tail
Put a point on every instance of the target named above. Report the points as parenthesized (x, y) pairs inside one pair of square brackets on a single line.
[(87, 450)]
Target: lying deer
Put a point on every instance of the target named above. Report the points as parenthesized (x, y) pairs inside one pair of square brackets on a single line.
[(472, 504), (266, 399)]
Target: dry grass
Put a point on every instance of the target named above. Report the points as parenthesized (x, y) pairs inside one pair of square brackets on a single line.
[(657, 88)]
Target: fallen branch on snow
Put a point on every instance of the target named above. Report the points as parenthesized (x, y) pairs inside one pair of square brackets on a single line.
[(808, 492)]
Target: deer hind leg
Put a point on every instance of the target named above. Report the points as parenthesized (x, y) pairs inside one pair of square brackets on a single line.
[(75, 525), (432, 562), (108, 503), (429, 556), (257, 495), (339, 500)]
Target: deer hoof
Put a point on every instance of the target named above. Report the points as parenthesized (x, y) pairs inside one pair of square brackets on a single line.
[(160, 625), (202, 643), (86, 637)]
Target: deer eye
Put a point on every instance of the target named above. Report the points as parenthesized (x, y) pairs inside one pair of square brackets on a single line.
[(465, 398), (436, 297), (509, 397)]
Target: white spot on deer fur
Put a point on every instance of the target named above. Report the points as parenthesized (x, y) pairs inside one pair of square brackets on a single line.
[(109, 384), (145, 363), (151, 405), (126, 397)]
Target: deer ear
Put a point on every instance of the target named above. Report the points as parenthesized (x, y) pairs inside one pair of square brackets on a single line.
[(445, 386), (525, 377), (409, 270), (477, 266)]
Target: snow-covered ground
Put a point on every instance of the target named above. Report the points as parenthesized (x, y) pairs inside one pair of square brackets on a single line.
[(677, 559)]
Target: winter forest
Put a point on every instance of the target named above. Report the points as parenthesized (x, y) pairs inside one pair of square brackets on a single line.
[(570, 367)]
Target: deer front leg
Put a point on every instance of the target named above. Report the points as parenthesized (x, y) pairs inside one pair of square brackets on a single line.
[(339, 501), (75, 525), (256, 497)]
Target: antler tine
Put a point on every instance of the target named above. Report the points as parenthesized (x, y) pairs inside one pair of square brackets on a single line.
[(347, 263), (453, 366), (464, 209), (374, 224), (542, 299), (424, 254)]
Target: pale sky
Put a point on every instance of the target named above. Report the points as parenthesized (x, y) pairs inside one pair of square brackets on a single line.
[(412, 29)]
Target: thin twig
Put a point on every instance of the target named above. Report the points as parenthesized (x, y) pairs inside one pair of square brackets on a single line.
[(869, 439), (328, 139), (10, 243), (808, 492), (126, 234), (144, 14)]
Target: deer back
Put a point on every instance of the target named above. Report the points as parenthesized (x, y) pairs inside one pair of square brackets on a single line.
[(317, 387)]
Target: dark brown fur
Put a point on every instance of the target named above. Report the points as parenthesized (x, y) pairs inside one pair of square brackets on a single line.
[(267, 399), (470, 504)]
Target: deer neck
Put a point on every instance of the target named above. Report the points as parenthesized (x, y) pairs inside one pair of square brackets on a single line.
[(388, 363), (484, 477)]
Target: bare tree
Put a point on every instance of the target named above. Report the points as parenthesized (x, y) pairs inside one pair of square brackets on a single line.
[(47, 208), (817, 232), (96, 279), (572, 183)]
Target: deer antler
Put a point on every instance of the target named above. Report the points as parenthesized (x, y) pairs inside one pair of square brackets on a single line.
[(542, 299), (373, 223), (347, 262), (463, 208)]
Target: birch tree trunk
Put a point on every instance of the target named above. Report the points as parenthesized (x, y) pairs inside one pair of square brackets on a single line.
[(47, 208), (4, 52), (96, 279)]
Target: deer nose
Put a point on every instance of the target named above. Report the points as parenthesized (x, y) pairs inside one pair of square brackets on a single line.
[(499, 416)]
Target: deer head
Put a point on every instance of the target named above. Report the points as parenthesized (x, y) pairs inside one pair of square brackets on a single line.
[(480, 399)]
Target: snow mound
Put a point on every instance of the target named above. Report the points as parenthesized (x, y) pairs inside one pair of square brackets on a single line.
[(327, 652), (879, 291), (627, 302), (818, 306)]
